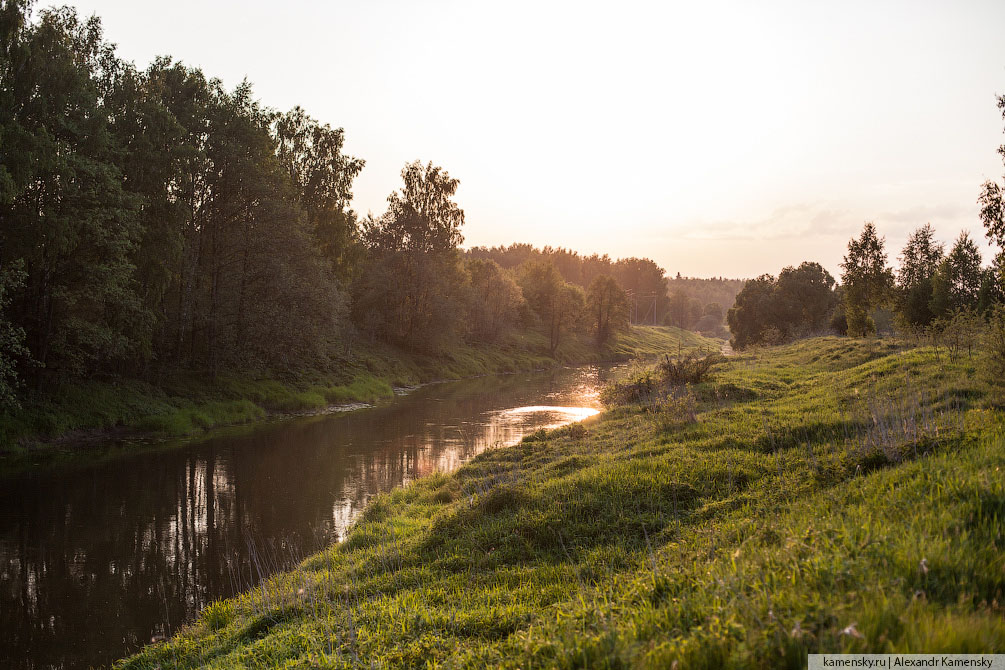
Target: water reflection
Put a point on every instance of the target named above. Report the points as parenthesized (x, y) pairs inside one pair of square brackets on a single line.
[(95, 560)]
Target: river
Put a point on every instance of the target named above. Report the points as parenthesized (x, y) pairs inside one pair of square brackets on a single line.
[(101, 556)]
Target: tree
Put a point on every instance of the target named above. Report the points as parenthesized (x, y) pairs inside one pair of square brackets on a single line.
[(992, 200), (647, 283), (64, 208), (12, 348), (557, 305), (957, 283), (867, 280), (411, 299), (920, 258), (992, 369), (992, 285), (494, 302), (322, 175), (608, 305), (919, 262), (711, 320), (839, 321), (412, 289), (572, 310), (769, 311), (421, 216), (713, 310), (681, 310), (992, 203), (806, 299), (594, 266), (159, 219), (753, 312)]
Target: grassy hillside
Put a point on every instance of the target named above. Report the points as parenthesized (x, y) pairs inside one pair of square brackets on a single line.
[(829, 495), (187, 403)]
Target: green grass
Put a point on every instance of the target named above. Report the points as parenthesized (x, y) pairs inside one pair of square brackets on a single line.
[(185, 421), (831, 495), (188, 403), (523, 351)]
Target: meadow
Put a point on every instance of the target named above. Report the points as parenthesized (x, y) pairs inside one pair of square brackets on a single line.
[(828, 495)]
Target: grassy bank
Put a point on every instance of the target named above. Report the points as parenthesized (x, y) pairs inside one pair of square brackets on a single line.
[(831, 495), (187, 403)]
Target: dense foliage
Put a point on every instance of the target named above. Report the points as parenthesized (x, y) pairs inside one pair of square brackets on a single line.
[(644, 282), (162, 219), (769, 310), (152, 220)]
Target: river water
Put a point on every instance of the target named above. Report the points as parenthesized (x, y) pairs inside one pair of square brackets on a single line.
[(97, 559)]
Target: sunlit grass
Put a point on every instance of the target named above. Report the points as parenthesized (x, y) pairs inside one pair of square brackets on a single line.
[(832, 495)]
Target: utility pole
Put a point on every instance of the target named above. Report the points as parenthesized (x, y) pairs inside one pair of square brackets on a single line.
[(636, 316)]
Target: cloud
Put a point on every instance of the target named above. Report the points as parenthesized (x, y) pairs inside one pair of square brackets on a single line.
[(919, 215), (823, 220), (783, 223)]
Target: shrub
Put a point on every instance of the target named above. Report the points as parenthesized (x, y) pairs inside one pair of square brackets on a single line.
[(686, 370), (655, 384), (993, 368), (959, 333)]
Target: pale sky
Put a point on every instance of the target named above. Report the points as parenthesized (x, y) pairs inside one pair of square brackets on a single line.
[(716, 138)]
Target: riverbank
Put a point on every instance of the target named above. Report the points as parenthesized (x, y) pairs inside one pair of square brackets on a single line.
[(830, 495), (188, 403)]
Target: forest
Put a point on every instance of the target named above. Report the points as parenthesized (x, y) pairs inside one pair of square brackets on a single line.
[(153, 220), (933, 295)]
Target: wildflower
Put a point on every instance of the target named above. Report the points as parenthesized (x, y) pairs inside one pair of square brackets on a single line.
[(851, 631)]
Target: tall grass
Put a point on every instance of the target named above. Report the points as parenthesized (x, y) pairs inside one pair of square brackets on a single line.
[(644, 383)]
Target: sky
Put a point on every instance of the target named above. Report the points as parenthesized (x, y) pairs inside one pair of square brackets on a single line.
[(717, 138)]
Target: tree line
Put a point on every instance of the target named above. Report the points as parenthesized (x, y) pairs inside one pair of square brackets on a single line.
[(153, 220), (685, 302), (644, 282), (933, 291), (700, 303)]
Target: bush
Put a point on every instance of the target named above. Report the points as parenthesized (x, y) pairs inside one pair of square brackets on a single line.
[(993, 368), (652, 385), (687, 370), (958, 333)]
